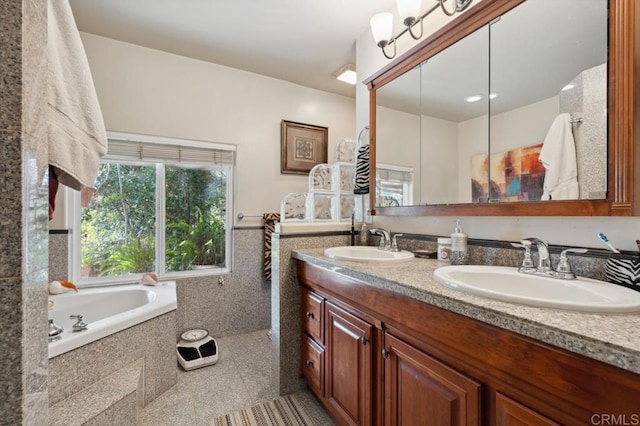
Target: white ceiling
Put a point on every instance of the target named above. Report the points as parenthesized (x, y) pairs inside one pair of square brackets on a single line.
[(301, 41)]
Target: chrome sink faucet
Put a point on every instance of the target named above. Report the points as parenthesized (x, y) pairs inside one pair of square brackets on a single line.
[(385, 238), (544, 261), (563, 270)]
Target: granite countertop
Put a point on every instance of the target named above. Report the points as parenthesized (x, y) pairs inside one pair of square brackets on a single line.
[(610, 338)]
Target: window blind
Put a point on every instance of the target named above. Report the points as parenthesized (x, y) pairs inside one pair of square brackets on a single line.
[(394, 175), (171, 153)]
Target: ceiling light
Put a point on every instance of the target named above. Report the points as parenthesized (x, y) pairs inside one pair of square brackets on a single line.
[(568, 87), (347, 74), (382, 23), (474, 98), (493, 95)]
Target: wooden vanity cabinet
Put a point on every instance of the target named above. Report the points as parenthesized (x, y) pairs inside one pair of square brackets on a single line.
[(418, 387), (349, 360), (512, 413), (337, 358), (423, 365)]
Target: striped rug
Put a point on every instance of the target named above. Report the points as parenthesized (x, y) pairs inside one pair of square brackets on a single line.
[(298, 409)]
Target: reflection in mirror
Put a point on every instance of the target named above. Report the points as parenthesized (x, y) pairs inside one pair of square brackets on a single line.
[(398, 141), (455, 106), (549, 79), (540, 74)]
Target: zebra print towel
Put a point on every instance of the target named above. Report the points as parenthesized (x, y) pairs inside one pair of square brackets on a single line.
[(361, 185), (270, 220)]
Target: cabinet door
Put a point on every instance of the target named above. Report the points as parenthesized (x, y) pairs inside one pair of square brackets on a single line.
[(348, 358), (311, 312), (512, 413), (313, 365), (420, 390)]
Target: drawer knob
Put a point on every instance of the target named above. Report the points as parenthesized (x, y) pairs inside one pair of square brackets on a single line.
[(309, 363), (364, 340), (309, 314), (385, 353)]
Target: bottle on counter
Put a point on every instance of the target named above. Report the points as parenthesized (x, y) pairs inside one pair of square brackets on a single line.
[(459, 249), (363, 235), (444, 249)]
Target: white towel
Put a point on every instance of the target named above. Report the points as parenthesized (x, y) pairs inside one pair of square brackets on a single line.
[(558, 155), (77, 136)]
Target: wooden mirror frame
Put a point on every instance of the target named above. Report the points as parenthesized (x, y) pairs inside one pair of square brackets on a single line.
[(621, 106)]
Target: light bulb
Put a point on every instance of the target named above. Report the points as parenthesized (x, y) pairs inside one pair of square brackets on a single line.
[(409, 10), (382, 27)]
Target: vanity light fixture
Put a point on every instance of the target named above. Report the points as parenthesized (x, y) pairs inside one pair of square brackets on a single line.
[(382, 23), (493, 95), (568, 87), (474, 98), (347, 74)]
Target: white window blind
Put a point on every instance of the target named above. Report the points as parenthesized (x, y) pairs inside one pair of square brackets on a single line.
[(217, 155), (394, 175)]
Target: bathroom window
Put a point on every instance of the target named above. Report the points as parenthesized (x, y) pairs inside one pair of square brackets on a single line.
[(161, 205)]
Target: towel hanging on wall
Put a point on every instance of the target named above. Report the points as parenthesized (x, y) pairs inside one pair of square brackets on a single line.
[(558, 155), (361, 184), (76, 131)]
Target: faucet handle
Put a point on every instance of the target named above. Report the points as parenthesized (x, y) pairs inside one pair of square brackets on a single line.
[(394, 244), (564, 267), (527, 262)]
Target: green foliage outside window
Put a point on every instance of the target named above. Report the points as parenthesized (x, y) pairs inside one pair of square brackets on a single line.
[(119, 226)]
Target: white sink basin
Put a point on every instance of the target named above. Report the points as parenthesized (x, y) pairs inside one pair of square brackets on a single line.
[(503, 283), (366, 254)]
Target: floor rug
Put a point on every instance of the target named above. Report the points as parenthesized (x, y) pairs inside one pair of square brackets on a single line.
[(298, 409)]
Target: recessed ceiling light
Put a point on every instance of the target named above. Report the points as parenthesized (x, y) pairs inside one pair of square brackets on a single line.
[(568, 87), (493, 95), (347, 74), (474, 98)]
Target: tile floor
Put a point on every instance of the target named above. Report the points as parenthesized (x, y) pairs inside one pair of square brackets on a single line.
[(243, 376)]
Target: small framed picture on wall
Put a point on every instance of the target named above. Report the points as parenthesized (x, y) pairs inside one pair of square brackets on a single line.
[(302, 147)]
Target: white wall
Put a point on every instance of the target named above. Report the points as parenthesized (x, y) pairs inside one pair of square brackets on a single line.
[(400, 133), (575, 231), (156, 93)]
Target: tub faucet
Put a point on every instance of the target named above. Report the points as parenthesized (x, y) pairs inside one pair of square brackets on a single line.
[(385, 238), (544, 261), (79, 325)]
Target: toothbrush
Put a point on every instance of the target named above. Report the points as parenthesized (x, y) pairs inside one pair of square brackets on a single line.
[(606, 241)]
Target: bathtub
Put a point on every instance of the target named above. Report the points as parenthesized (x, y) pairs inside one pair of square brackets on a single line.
[(107, 310)]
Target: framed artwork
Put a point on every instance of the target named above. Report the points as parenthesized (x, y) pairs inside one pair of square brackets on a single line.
[(302, 147)]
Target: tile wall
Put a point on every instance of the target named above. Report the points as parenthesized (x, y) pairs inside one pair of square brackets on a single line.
[(23, 212)]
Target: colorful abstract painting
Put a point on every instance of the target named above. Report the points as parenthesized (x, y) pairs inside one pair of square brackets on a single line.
[(514, 175)]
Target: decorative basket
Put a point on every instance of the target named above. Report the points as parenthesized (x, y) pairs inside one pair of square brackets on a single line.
[(624, 269)]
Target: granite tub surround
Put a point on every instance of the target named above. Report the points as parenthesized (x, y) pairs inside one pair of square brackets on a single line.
[(612, 339), (152, 341), (285, 292)]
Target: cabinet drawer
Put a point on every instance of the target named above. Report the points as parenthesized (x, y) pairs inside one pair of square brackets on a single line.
[(312, 315), (313, 365)]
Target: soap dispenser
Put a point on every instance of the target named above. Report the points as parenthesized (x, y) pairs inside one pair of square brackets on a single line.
[(459, 249)]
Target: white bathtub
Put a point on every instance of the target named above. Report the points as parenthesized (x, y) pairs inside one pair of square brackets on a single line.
[(107, 310)]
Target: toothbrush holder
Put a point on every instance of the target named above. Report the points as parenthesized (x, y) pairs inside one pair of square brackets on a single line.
[(624, 269)]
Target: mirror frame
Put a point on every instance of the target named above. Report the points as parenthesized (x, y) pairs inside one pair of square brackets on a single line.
[(621, 105)]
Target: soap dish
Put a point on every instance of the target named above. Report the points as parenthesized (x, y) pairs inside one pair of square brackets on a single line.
[(425, 254)]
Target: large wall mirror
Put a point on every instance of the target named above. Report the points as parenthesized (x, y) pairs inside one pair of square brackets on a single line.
[(515, 108)]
